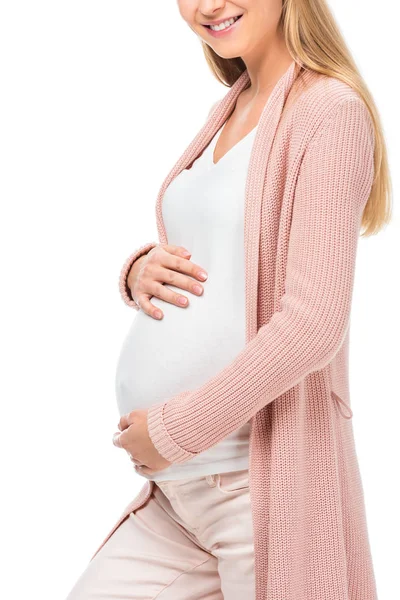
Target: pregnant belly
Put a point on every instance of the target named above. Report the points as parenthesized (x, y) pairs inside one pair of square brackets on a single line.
[(160, 359)]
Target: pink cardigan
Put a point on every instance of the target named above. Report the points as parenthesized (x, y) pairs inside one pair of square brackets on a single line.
[(310, 175)]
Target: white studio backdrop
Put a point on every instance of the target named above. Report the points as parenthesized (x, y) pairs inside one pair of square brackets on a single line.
[(98, 101)]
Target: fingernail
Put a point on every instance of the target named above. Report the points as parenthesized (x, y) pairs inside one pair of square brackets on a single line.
[(185, 253), (158, 314), (182, 300), (202, 275), (197, 289)]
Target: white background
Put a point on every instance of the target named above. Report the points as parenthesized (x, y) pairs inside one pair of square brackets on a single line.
[(98, 101)]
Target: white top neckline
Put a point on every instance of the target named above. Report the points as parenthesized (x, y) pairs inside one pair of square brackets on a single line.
[(211, 147)]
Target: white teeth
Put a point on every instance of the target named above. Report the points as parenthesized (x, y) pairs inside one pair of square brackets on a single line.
[(223, 25)]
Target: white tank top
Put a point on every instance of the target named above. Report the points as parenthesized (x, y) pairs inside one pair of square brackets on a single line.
[(203, 210)]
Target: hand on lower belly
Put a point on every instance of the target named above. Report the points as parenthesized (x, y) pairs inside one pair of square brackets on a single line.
[(134, 438)]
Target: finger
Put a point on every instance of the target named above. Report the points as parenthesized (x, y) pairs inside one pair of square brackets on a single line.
[(122, 423), (181, 265), (116, 439), (178, 250), (143, 300), (161, 291), (142, 469), (157, 287), (128, 419), (165, 264), (165, 275), (122, 439), (125, 439)]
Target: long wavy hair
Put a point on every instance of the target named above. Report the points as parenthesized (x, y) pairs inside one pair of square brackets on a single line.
[(313, 37)]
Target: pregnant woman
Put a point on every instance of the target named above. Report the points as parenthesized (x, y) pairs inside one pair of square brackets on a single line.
[(232, 383)]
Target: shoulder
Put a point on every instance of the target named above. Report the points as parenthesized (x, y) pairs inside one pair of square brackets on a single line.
[(318, 100)]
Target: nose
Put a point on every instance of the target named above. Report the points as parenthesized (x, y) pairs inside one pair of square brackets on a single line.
[(210, 7)]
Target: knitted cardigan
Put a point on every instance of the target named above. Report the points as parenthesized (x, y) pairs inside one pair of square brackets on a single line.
[(310, 175)]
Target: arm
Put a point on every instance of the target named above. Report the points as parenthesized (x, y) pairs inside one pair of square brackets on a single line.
[(123, 285), (333, 186)]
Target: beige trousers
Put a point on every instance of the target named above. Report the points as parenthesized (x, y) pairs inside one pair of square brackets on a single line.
[(191, 540)]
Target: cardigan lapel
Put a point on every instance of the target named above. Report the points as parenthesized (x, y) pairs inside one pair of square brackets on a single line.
[(255, 183), (255, 191)]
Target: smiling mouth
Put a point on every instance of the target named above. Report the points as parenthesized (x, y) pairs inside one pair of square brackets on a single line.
[(225, 25)]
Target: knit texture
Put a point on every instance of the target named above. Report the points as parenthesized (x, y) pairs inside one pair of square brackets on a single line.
[(123, 284), (309, 178)]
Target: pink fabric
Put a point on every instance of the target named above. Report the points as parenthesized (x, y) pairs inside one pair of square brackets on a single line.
[(310, 175), (123, 286), (163, 551)]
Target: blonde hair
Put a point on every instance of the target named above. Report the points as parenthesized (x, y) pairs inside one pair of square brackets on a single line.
[(313, 38)]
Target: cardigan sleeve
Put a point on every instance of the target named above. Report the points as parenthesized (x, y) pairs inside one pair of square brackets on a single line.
[(123, 276), (333, 185)]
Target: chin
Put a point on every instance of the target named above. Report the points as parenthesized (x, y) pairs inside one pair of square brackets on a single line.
[(232, 53)]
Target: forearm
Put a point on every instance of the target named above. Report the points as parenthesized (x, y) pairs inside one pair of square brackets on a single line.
[(283, 352)]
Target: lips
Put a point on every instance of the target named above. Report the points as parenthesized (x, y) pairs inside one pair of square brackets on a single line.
[(215, 23), (219, 33)]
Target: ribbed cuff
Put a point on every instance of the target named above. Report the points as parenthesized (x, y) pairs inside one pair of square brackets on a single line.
[(123, 285), (161, 438)]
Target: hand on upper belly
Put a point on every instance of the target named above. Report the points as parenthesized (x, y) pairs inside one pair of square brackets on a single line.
[(134, 438), (164, 264)]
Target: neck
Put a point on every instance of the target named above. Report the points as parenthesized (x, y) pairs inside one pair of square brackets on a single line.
[(266, 67)]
